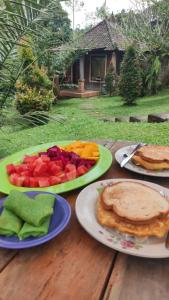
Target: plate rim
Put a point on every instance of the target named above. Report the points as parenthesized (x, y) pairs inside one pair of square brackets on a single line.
[(139, 170), (47, 237), (114, 247), (101, 167)]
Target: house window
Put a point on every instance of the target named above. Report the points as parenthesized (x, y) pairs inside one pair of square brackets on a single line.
[(97, 67)]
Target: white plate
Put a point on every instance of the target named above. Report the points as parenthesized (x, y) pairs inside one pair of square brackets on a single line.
[(85, 210), (119, 156)]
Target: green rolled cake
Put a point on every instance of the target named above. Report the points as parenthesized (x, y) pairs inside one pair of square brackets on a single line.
[(34, 212), (47, 199), (10, 224), (36, 231)]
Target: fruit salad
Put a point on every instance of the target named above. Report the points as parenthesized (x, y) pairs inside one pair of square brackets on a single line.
[(56, 165)]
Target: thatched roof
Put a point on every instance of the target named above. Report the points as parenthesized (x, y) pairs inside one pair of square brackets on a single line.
[(106, 35)]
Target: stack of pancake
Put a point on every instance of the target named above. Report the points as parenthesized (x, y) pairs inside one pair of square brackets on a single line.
[(152, 157), (133, 208)]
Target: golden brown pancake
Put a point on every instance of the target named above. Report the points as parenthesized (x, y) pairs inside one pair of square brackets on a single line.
[(158, 227), (139, 161), (152, 157), (134, 202)]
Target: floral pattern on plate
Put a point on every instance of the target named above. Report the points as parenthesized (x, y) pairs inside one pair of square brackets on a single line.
[(126, 241)]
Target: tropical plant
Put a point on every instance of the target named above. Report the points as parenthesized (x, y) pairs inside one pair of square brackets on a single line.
[(111, 81), (64, 58), (130, 84), (56, 31), (34, 89), (33, 75), (17, 19), (147, 24), (153, 71), (32, 100)]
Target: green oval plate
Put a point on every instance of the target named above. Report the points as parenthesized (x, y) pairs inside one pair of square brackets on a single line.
[(99, 169)]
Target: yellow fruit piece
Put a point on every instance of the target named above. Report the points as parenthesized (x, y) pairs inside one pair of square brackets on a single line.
[(88, 150)]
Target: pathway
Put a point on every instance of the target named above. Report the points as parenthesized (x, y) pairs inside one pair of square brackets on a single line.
[(151, 118)]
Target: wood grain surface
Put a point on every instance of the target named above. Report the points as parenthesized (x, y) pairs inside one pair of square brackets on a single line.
[(75, 266)]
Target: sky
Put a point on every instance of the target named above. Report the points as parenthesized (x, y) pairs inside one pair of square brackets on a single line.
[(85, 16)]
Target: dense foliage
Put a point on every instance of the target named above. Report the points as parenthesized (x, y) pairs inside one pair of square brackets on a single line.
[(56, 30), (111, 82), (130, 84), (147, 25), (34, 89), (16, 20)]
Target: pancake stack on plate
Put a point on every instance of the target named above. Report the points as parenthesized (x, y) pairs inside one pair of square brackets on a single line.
[(152, 157), (133, 208)]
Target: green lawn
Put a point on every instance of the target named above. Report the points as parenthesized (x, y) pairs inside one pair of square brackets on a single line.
[(80, 124)]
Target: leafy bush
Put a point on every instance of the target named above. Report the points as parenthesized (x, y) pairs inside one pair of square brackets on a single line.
[(130, 85), (31, 99), (38, 78), (151, 78), (34, 90), (111, 82), (33, 76), (153, 71)]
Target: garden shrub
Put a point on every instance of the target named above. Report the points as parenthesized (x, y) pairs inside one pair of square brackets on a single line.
[(31, 99), (130, 84), (111, 83), (153, 72), (34, 89)]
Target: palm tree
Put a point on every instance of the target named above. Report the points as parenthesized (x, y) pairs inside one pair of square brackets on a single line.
[(17, 19)]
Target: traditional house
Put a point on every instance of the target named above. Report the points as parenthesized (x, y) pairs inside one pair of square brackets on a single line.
[(105, 46)]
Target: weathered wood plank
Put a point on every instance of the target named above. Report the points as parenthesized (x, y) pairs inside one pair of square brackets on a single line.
[(75, 266), (72, 266), (5, 257), (116, 280), (138, 278)]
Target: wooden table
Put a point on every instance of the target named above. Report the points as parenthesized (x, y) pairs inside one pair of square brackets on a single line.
[(74, 266)]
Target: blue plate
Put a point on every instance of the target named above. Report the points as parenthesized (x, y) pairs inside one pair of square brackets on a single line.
[(59, 220)]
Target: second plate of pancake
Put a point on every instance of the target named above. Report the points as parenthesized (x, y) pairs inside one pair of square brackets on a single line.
[(122, 152)]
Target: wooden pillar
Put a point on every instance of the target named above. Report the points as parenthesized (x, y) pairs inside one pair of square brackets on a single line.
[(71, 74), (82, 79), (114, 61), (82, 68)]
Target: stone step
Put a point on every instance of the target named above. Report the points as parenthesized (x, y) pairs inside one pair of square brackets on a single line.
[(158, 118), (138, 118), (122, 119), (107, 119)]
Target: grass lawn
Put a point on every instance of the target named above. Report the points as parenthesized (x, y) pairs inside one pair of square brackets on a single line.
[(80, 124)]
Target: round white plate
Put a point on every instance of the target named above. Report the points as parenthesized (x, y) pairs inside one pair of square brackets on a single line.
[(85, 210), (120, 155)]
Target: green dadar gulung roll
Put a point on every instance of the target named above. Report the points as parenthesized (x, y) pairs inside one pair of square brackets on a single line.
[(31, 211), (36, 231), (10, 224)]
